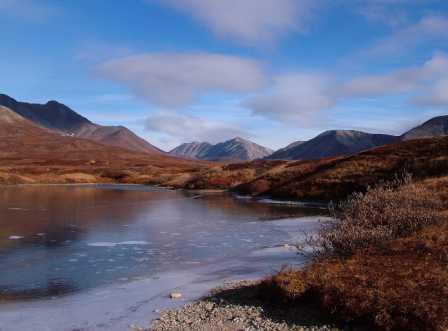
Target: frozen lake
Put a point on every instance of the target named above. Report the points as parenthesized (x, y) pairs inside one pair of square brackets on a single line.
[(104, 257)]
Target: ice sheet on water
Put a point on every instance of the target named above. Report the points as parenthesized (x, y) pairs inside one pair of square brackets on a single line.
[(102, 244), (15, 237), (133, 242), (113, 244)]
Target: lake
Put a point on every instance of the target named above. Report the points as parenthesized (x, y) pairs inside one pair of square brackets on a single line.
[(64, 242)]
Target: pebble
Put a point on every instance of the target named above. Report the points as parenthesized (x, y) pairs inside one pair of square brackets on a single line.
[(175, 295), (234, 311)]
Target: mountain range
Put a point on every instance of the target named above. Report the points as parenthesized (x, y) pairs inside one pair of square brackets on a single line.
[(60, 118), (236, 149)]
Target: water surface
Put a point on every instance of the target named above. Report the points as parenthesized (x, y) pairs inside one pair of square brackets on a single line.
[(57, 240)]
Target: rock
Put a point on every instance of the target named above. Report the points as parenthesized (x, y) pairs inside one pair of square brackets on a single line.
[(175, 295)]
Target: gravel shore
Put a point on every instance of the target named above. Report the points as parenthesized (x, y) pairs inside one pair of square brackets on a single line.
[(235, 307)]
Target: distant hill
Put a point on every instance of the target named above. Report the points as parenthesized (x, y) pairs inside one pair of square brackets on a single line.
[(435, 127), (58, 117), (237, 149), (333, 143), (332, 178), (285, 152)]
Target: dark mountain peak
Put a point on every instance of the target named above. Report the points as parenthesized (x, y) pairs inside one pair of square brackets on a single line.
[(61, 118), (435, 127), (284, 153), (333, 143), (52, 115), (53, 103)]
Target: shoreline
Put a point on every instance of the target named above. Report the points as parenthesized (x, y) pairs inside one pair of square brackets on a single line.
[(237, 306)]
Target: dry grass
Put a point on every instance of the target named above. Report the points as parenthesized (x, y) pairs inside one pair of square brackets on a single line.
[(401, 288), (384, 262), (389, 211)]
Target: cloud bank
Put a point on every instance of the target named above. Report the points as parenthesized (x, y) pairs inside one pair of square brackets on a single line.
[(176, 80), (190, 128), (249, 21), (295, 97)]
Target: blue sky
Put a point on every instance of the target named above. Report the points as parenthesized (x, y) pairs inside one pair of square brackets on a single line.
[(273, 71)]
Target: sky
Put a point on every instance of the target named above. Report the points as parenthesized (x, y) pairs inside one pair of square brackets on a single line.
[(273, 71)]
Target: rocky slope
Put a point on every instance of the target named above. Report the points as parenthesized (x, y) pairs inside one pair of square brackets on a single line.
[(435, 127), (237, 149), (194, 150), (60, 118), (333, 143)]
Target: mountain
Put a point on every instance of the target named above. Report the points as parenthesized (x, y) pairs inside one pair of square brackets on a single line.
[(30, 153), (237, 149), (58, 117), (435, 127), (119, 136), (285, 152), (194, 150), (335, 143)]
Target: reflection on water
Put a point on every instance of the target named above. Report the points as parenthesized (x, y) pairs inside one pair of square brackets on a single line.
[(59, 239)]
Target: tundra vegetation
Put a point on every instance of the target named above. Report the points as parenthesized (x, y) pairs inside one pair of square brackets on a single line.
[(381, 262)]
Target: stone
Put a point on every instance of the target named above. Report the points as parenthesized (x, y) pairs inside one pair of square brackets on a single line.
[(175, 295)]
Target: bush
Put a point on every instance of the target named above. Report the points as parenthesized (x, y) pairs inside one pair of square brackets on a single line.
[(389, 211)]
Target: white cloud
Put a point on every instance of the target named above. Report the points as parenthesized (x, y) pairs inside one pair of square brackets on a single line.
[(429, 29), (249, 21), (435, 96), (294, 97), (422, 81), (187, 128), (304, 98), (176, 80)]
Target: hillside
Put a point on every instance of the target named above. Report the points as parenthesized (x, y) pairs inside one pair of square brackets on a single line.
[(285, 152), (330, 178), (58, 117), (237, 149), (435, 127), (33, 154), (333, 143)]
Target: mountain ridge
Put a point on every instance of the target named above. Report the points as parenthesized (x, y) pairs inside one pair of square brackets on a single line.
[(434, 127), (58, 117), (333, 143), (236, 149)]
